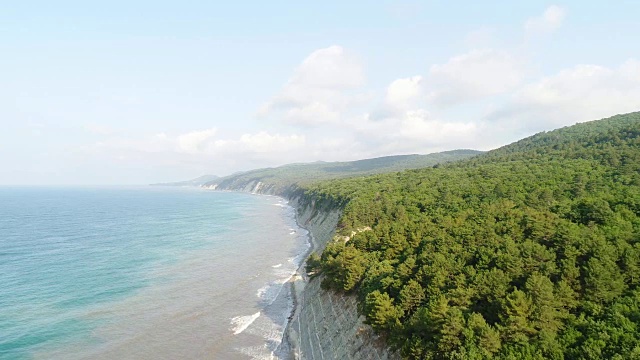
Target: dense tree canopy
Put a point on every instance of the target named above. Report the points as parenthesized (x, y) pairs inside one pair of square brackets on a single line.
[(531, 251)]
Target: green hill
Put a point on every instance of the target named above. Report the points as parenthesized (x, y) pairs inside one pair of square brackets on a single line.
[(278, 180), (530, 251)]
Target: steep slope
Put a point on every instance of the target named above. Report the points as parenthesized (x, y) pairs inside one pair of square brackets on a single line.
[(279, 180), (531, 251)]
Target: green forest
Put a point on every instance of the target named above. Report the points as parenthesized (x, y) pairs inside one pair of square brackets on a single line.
[(530, 251), (293, 176)]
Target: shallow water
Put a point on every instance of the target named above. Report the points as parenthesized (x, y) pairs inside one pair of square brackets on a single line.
[(129, 273)]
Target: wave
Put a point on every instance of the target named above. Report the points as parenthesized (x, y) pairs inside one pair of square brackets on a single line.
[(276, 266), (258, 353), (271, 291), (262, 292), (299, 259), (241, 323)]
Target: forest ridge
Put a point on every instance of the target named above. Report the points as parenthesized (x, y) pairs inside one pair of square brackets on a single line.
[(289, 177), (530, 251)]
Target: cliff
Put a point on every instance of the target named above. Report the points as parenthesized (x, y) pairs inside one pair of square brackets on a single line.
[(544, 227), (528, 252), (326, 325)]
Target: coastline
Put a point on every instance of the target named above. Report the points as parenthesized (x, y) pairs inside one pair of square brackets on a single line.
[(297, 285), (320, 324), (326, 324), (320, 225)]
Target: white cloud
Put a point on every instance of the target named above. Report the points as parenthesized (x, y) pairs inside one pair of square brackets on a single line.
[(261, 144), (331, 67), (312, 113), (630, 70), (440, 110), (412, 131), (319, 88), (581, 93), (474, 75), (419, 125), (548, 22), (195, 141), (403, 93), (203, 149)]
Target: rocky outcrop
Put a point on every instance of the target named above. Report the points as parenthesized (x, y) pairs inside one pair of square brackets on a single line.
[(325, 324)]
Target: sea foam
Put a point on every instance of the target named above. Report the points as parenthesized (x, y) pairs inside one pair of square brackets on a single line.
[(241, 323)]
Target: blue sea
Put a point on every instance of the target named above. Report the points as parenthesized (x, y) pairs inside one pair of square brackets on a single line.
[(145, 273)]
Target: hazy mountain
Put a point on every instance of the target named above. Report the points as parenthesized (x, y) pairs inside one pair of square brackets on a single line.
[(199, 181), (275, 180)]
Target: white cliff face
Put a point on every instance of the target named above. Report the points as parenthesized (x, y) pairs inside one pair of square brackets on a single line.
[(257, 188), (326, 325), (329, 327)]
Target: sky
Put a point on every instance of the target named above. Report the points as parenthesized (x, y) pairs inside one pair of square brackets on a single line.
[(137, 92)]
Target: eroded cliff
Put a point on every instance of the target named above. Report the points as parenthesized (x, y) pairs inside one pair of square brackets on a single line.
[(326, 325)]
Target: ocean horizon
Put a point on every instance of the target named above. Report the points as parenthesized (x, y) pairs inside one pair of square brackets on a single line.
[(145, 272)]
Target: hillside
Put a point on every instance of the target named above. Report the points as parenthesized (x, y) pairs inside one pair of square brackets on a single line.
[(279, 179), (199, 181), (530, 251)]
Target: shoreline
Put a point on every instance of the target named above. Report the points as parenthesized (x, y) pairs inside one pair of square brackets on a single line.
[(296, 285), (318, 231)]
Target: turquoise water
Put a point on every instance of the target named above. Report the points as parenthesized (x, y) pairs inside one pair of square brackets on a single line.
[(144, 272)]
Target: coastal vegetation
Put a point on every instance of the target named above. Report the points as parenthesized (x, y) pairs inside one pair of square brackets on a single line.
[(285, 178), (530, 251)]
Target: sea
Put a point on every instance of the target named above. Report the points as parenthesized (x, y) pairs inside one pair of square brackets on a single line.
[(145, 273)]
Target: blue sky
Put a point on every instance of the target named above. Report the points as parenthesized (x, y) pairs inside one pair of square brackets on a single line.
[(132, 92)]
